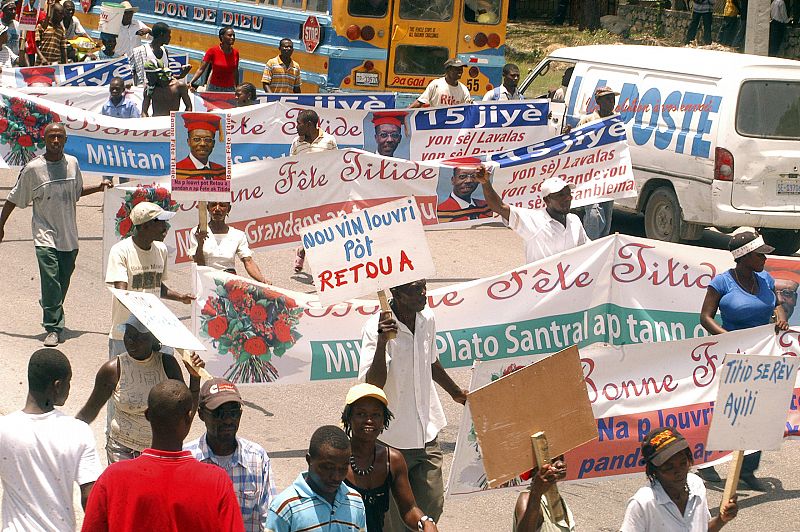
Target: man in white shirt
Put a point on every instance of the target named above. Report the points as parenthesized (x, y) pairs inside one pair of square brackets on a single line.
[(406, 367), (131, 32), (44, 452), (546, 231), (777, 26), (508, 89), (446, 90)]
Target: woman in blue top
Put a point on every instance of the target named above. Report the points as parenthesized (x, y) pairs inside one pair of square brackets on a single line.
[(745, 297)]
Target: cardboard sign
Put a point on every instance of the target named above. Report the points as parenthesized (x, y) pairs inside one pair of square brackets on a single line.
[(548, 396), (200, 155), (754, 395), (368, 250), (154, 315)]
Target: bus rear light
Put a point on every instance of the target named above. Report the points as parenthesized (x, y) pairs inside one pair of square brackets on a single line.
[(480, 39), (489, 87), (368, 66), (494, 40), (353, 32), (367, 33), (473, 72), (347, 80), (723, 165)]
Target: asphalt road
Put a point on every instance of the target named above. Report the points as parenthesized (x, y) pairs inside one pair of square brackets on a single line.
[(282, 418)]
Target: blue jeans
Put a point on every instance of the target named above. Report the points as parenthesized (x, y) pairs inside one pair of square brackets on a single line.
[(597, 219)]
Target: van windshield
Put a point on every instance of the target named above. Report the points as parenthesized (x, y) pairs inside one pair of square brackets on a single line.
[(769, 109)]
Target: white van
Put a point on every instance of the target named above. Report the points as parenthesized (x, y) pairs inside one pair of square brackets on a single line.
[(714, 136)]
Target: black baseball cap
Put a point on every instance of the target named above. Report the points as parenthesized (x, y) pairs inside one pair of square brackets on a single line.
[(662, 444)]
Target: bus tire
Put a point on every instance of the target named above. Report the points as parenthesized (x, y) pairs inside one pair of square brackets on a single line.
[(663, 217), (785, 241)]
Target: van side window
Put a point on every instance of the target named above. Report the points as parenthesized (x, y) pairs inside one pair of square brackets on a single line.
[(420, 60), (367, 8), (546, 82), (436, 10), (482, 11), (769, 109)]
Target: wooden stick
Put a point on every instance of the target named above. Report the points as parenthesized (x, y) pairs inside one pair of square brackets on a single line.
[(386, 308), (186, 356), (732, 481), (203, 217), (541, 452)]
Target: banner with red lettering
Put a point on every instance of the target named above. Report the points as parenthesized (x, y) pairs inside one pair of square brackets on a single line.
[(631, 395)]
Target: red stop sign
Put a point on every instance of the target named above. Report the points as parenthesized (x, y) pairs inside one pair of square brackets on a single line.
[(312, 33)]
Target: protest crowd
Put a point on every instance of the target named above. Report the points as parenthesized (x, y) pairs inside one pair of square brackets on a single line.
[(377, 468)]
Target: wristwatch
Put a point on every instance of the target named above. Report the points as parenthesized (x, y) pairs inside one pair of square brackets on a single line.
[(420, 523)]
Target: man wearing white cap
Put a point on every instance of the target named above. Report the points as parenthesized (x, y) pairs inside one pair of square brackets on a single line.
[(139, 264), (446, 90), (131, 31), (546, 231)]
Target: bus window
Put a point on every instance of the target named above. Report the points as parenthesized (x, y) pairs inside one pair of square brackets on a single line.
[(482, 11), (420, 60), (292, 4), (439, 10), (367, 8), (320, 6)]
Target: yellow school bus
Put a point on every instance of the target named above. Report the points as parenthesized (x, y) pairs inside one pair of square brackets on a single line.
[(348, 45)]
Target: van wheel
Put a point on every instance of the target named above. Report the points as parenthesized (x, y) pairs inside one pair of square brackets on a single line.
[(785, 241), (662, 216)]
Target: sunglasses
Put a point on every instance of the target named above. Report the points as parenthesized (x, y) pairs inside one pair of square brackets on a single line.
[(233, 413)]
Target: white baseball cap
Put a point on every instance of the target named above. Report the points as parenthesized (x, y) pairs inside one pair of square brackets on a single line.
[(554, 185), (146, 211)]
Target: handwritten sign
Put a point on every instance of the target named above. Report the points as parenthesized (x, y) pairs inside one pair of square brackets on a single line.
[(754, 395), (368, 250), (548, 396), (154, 315)]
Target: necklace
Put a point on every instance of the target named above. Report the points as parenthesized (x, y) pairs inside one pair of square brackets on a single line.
[(753, 284), (363, 472)]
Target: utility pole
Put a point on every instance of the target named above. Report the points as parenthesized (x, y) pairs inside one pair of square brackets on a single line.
[(756, 39)]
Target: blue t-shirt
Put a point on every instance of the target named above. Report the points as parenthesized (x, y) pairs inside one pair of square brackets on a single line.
[(741, 309)]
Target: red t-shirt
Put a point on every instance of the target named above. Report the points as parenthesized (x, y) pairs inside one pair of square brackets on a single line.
[(223, 66), (163, 491)]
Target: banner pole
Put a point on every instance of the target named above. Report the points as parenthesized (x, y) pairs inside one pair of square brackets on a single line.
[(186, 356), (386, 308), (732, 481), (203, 217), (541, 452)]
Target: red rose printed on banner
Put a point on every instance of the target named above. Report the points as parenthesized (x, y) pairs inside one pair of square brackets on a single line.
[(22, 126), (153, 193), (259, 324)]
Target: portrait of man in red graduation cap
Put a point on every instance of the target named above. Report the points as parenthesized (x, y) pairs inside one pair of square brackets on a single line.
[(388, 132), (202, 130), (39, 76)]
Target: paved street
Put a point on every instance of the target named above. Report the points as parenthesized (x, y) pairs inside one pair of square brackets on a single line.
[(282, 418)]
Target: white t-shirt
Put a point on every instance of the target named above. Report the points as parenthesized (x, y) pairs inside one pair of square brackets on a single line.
[(418, 413), (543, 235), (75, 29), (53, 188), (127, 39), (221, 251), (143, 270), (42, 456), (651, 510), (439, 93), (7, 57), (323, 142)]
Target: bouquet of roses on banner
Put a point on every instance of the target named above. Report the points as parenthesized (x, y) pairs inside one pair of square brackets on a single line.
[(251, 323), (152, 193), (22, 124)]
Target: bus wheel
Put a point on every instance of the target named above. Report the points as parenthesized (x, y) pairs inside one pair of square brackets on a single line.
[(662, 216), (785, 241)]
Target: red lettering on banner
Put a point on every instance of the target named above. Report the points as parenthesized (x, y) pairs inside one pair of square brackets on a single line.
[(448, 300), (544, 281), (630, 271), (789, 339), (243, 127), (704, 374), (303, 179), (341, 310), (626, 389), (370, 168)]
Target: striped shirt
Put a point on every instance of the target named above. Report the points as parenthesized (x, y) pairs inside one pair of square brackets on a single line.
[(298, 507), (321, 143), (51, 43), (279, 78), (251, 473)]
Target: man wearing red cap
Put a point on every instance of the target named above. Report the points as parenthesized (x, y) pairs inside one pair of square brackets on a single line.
[(200, 128), (388, 131)]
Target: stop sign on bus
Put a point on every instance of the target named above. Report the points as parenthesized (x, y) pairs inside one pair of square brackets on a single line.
[(312, 33)]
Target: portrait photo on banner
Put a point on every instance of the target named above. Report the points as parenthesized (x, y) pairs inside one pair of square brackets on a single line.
[(386, 133), (786, 272), (459, 195), (200, 152)]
